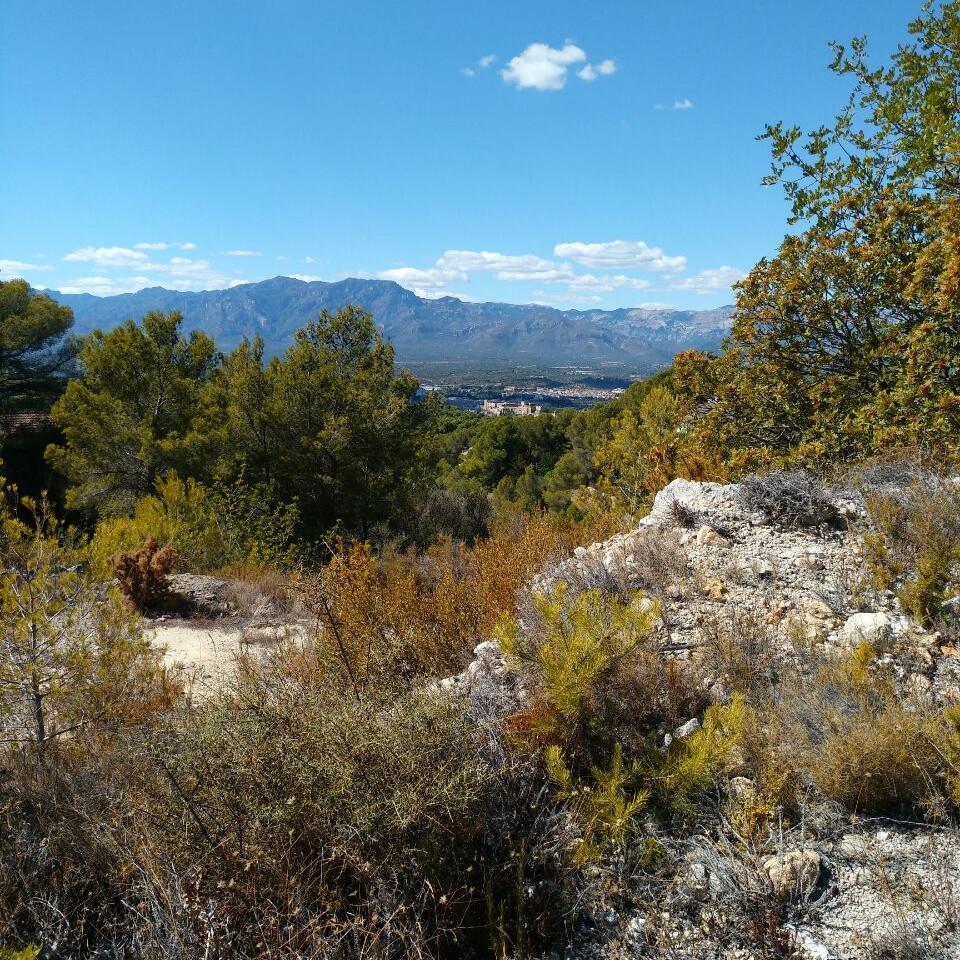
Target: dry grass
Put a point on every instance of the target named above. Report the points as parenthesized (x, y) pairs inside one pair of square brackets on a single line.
[(740, 647), (843, 731)]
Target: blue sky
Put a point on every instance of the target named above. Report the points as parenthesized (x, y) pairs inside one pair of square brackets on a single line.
[(577, 153)]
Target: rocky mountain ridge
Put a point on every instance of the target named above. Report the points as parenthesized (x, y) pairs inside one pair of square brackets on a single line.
[(444, 329)]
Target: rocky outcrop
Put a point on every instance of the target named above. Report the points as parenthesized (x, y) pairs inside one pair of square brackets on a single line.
[(717, 566), (714, 564)]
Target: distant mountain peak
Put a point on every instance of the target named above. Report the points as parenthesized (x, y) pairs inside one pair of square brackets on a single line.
[(422, 329)]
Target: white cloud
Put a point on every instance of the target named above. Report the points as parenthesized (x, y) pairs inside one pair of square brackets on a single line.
[(432, 280), (106, 286), (542, 67), (243, 253), (683, 104), (161, 245), (178, 273), (455, 266), (605, 68), (620, 254), (486, 61), (605, 284), (458, 263), (708, 281), (309, 260), (545, 299), (305, 277), (108, 256), (18, 267)]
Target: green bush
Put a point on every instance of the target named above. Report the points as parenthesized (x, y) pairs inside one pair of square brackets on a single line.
[(915, 547), (209, 527), (25, 953), (575, 646)]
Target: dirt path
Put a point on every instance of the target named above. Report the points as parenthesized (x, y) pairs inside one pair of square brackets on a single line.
[(205, 653)]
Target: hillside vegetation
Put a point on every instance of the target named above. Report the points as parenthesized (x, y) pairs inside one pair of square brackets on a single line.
[(671, 677)]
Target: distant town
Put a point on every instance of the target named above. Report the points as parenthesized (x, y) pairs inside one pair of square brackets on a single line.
[(495, 400)]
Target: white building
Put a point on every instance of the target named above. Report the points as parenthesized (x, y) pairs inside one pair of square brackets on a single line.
[(498, 408)]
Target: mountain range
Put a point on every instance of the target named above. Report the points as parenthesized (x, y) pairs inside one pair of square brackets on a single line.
[(423, 330)]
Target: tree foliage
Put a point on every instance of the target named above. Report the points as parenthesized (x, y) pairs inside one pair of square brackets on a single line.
[(136, 412), (848, 340), (35, 351), (329, 423)]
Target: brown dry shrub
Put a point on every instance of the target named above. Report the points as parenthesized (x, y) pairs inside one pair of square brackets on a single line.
[(790, 499), (142, 573), (258, 591), (739, 648), (843, 731), (424, 614), (289, 816)]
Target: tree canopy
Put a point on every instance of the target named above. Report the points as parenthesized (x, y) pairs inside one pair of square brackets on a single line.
[(35, 350), (136, 411), (848, 340)]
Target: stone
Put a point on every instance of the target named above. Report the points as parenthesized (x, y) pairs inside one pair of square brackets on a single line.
[(742, 790), (696, 883), (685, 729), (714, 588), (874, 628), (808, 560), (793, 874), (704, 498), (854, 845), (708, 537), (736, 765), (646, 605), (818, 609)]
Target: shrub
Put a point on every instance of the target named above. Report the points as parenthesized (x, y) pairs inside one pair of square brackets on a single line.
[(176, 513), (608, 808), (693, 762), (70, 656), (323, 822), (574, 647), (739, 648), (12, 953), (209, 527), (609, 802), (916, 542), (788, 498), (142, 574), (844, 732), (424, 613)]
